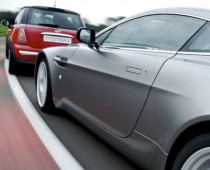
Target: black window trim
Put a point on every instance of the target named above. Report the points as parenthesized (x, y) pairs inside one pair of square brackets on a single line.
[(185, 49), (25, 15), (109, 32)]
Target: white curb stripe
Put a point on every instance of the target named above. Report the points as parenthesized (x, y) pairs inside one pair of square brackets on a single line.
[(57, 150)]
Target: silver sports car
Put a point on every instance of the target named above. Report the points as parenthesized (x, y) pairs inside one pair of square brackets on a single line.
[(142, 84)]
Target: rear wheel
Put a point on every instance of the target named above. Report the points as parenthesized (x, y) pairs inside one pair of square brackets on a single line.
[(194, 155), (43, 87), (7, 52), (12, 63)]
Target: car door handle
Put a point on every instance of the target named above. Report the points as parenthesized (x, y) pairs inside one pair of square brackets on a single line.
[(60, 60), (133, 70)]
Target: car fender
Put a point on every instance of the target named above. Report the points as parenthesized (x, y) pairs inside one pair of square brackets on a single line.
[(50, 53)]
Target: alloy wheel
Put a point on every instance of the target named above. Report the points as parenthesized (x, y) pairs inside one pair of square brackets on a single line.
[(199, 160), (42, 84)]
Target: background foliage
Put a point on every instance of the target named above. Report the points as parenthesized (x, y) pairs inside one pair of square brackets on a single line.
[(10, 16), (3, 30), (99, 27)]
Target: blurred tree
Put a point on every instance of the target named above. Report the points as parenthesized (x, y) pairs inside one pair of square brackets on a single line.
[(111, 20), (99, 27), (8, 15)]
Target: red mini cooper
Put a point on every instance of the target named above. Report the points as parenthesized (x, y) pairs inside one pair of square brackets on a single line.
[(36, 28)]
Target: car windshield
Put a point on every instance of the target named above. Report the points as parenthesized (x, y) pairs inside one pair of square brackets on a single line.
[(55, 19)]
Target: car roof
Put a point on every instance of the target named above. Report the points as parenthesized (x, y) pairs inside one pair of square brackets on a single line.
[(193, 12), (52, 9)]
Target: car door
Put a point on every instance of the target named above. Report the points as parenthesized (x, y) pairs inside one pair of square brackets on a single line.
[(109, 85)]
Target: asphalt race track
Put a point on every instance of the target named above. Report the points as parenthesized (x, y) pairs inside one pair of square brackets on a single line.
[(20, 146), (88, 149)]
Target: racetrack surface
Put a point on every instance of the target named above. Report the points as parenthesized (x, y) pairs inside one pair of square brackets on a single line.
[(20, 146)]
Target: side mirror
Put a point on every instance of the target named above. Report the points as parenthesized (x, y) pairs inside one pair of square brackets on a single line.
[(5, 22), (86, 35)]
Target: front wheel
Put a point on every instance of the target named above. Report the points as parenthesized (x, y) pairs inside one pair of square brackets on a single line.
[(43, 87), (195, 155)]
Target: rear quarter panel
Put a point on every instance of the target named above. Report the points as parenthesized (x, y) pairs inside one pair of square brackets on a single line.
[(178, 99)]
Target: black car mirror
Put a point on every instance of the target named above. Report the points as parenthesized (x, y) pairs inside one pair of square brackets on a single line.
[(86, 35), (5, 22)]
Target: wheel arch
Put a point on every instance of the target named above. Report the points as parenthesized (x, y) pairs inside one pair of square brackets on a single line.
[(187, 135)]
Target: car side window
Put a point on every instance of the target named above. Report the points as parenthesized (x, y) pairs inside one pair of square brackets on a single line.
[(19, 17), (154, 32), (200, 42)]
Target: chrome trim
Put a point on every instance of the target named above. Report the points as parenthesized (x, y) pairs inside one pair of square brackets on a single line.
[(56, 34), (175, 13), (24, 53), (138, 49), (159, 51), (152, 142), (194, 53)]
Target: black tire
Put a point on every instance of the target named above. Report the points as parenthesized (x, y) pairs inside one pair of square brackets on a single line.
[(12, 64), (45, 103), (7, 52), (199, 147)]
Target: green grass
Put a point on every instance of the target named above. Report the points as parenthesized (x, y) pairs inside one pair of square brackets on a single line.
[(3, 30)]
